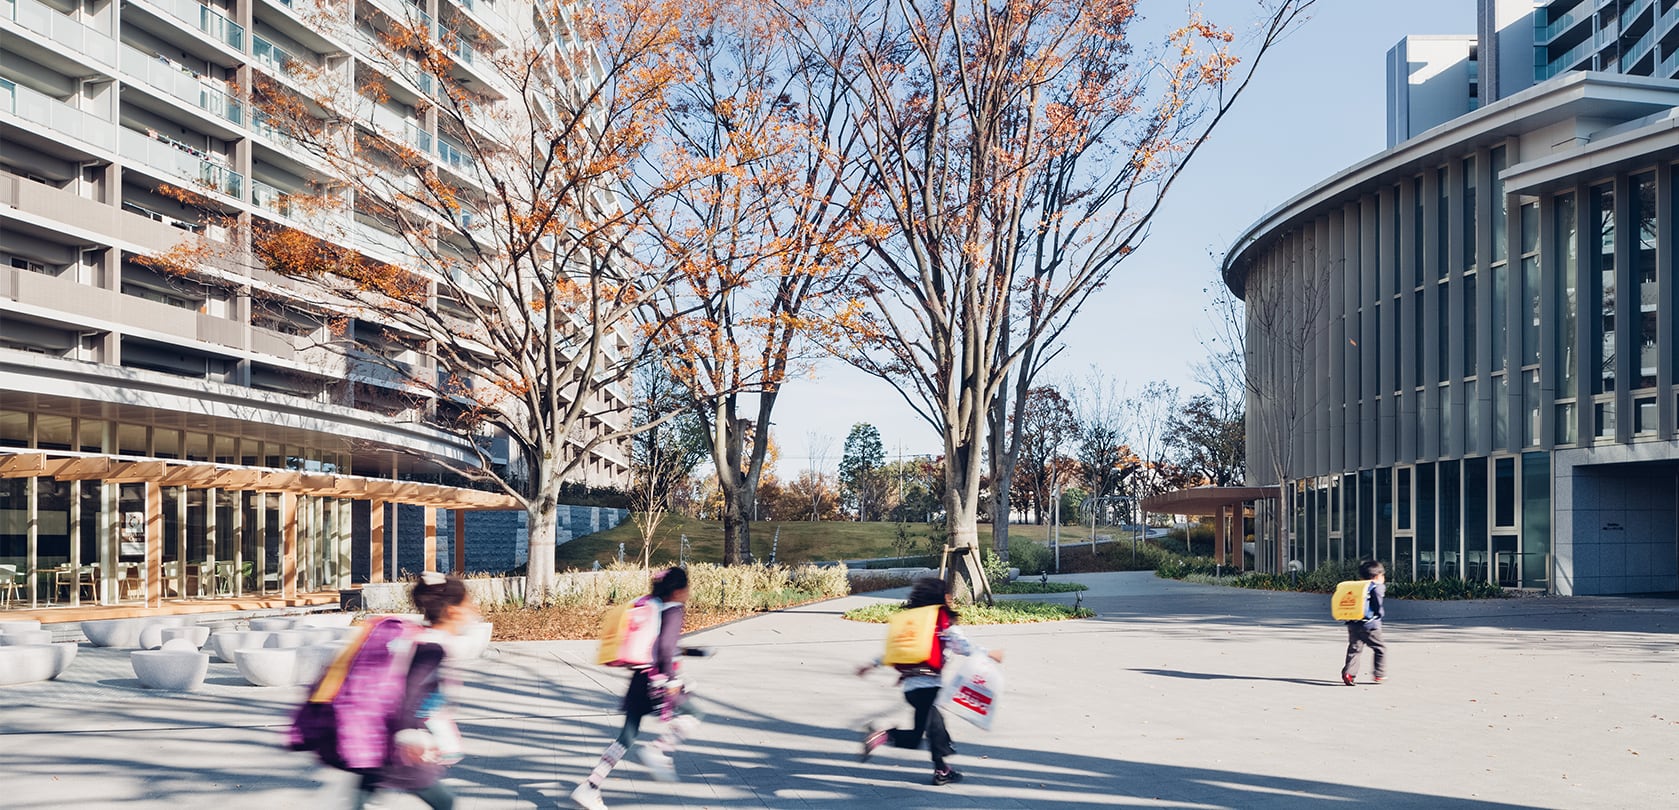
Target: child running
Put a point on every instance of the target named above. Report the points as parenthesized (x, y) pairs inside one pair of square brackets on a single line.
[(652, 689), (921, 683)]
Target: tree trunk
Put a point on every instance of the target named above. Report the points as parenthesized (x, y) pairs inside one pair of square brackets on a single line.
[(539, 567), (960, 564)]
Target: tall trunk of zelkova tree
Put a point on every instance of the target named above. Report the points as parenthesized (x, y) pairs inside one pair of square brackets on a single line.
[(739, 470), (540, 524)]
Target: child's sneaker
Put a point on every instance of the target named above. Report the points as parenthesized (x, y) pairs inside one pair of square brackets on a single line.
[(587, 796), (659, 762), (1350, 680), (947, 776), (1379, 679), (872, 739)]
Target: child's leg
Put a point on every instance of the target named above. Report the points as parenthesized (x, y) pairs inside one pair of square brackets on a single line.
[(922, 700), (615, 752), (1355, 648), (366, 786), (1379, 648), (679, 728), (938, 738), (437, 796)]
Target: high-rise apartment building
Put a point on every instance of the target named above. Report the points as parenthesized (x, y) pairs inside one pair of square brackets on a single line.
[(107, 362)]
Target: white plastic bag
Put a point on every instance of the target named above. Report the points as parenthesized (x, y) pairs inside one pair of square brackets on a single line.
[(974, 691)]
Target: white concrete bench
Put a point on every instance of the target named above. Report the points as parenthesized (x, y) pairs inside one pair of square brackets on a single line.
[(177, 667), (24, 638), (267, 666), (125, 632), (34, 662), (224, 642)]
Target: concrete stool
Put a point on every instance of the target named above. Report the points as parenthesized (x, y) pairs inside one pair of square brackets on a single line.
[(313, 660), (195, 635), (126, 632), (271, 623), (266, 666), (14, 625), (34, 662), (224, 642), (25, 638), (286, 639), (172, 670)]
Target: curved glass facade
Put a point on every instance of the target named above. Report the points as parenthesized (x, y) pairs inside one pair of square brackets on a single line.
[(1458, 350)]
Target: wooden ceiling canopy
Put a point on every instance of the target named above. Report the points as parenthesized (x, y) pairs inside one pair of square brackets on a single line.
[(208, 475)]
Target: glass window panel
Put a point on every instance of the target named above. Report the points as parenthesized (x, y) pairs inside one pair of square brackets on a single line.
[(52, 432), (1567, 426), (1500, 209), (1471, 417), (1500, 411), (1470, 220), (1504, 492), (1384, 515), (1442, 226), (1475, 545), (227, 449), (1530, 316), (1366, 513), (1603, 416), (1644, 415), (131, 440), (1536, 520), (1469, 330), (1500, 324), (1450, 532), (1417, 228), (1443, 310), (197, 446), (1567, 303), (166, 443), (1427, 562), (1530, 227), (1644, 270), (1402, 499), (92, 435), (1448, 433), (1603, 215), (1534, 405), (1417, 342), (14, 429)]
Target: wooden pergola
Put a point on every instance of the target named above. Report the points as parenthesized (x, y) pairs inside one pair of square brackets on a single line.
[(288, 484), (1218, 502)]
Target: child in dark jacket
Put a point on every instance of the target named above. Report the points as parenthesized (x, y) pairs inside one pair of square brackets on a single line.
[(656, 688), (921, 683), (1368, 630)]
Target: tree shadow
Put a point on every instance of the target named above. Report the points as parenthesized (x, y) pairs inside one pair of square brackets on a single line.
[(1219, 676)]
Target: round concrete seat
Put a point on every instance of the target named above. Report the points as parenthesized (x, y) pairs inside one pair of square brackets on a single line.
[(176, 670), (224, 642), (24, 638), (327, 620), (271, 623), (14, 625), (312, 660), (286, 639), (267, 666), (34, 662), (194, 634), (125, 632)]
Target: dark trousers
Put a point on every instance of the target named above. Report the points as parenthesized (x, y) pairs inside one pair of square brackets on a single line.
[(435, 794), (1359, 637), (928, 723)]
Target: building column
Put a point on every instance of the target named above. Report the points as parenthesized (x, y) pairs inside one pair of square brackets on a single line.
[(288, 545), (376, 541), (154, 544), (459, 567), (430, 561)]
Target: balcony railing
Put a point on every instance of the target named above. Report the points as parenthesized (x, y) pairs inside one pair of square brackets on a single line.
[(266, 196), (42, 110), (182, 161), (208, 20), (1568, 60), (1669, 64), (274, 57), (61, 29), (178, 81), (1638, 7), (1557, 26), (453, 156), (1638, 51)]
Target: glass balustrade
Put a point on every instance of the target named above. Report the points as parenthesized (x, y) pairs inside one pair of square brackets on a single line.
[(177, 80), (61, 28), (453, 156), (274, 57), (182, 161), (266, 196), (43, 110)]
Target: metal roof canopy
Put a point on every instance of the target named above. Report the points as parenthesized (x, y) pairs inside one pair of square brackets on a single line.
[(70, 466)]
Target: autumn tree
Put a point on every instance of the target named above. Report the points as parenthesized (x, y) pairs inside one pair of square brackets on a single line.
[(1044, 427), (1017, 152), (474, 227)]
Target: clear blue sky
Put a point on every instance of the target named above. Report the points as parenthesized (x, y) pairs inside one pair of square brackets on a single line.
[(1316, 107)]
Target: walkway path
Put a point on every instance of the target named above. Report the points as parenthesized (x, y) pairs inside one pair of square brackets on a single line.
[(1177, 695)]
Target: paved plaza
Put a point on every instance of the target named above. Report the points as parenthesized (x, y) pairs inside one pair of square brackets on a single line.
[(1177, 695)]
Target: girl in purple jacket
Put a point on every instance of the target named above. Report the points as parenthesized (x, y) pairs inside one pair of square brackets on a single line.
[(656, 688)]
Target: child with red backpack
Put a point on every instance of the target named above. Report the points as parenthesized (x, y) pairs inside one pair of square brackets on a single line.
[(921, 682), (381, 711), (654, 688)]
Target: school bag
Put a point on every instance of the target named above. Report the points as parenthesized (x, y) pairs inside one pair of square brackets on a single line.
[(912, 638), (1348, 603), (346, 719), (628, 632)]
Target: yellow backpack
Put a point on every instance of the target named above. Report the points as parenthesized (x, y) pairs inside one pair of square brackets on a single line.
[(910, 635), (1348, 603)]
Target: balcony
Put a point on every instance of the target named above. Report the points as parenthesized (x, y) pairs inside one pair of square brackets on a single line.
[(39, 110), (1638, 51), (1557, 26), (175, 159), (275, 58), (207, 20), (1568, 61), (1669, 64), (1634, 9), (454, 157), (176, 80), (54, 26)]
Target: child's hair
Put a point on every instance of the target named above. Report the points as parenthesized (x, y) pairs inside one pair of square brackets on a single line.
[(668, 582), (929, 590), (1370, 569), (435, 593)]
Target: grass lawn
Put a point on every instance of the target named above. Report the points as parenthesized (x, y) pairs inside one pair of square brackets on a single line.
[(801, 541)]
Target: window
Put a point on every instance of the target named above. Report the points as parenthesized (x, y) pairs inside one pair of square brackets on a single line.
[(1644, 271), (1568, 271), (1500, 209), (1442, 224), (1469, 219), (1603, 259), (1443, 308), (1469, 332), (1504, 492)]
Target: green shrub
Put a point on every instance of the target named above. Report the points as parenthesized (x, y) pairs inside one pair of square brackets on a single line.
[(1008, 611), (1030, 557), (1024, 585)]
